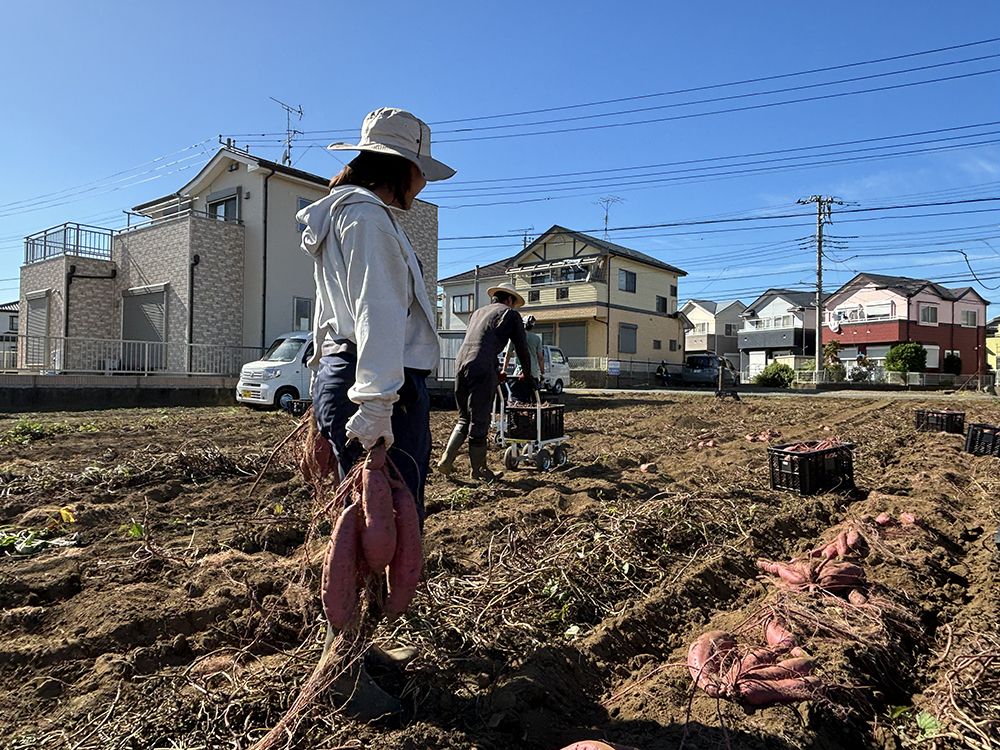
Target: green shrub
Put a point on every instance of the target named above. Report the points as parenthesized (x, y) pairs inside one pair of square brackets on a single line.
[(863, 370), (952, 364), (910, 357), (775, 375)]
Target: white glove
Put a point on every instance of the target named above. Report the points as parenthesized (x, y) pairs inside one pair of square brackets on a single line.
[(372, 420)]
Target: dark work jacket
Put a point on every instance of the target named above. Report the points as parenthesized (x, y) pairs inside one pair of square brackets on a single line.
[(490, 328)]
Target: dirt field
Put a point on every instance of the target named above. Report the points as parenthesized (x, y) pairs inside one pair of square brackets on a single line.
[(557, 607)]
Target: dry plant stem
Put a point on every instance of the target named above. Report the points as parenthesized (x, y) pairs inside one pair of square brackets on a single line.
[(302, 426)]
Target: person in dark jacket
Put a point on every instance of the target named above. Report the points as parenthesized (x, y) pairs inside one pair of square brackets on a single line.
[(476, 376)]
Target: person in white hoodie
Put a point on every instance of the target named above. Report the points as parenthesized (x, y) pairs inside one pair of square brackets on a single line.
[(374, 325)]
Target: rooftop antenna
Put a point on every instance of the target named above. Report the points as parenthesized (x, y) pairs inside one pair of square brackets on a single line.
[(608, 202), (525, 232), (290, 132)]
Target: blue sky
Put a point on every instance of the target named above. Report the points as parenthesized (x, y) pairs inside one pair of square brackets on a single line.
[(710, 112)]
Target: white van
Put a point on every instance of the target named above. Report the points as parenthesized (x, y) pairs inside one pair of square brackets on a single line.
[(281, 376), (556, 375)]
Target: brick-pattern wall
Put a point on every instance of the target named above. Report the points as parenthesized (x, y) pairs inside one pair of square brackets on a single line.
[(48, 274), (421, 225), (158, 254), (218, 282), (92, 312)]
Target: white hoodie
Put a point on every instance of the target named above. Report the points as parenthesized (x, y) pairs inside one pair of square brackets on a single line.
[(369, 290)]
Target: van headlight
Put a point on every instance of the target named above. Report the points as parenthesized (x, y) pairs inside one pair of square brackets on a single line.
[(270, 373)]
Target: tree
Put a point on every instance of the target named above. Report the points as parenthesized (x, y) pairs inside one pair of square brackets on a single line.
[(952, 364), (835, 369), (775, 375), (906, 358)]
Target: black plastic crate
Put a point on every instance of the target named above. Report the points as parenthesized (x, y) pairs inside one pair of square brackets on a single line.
[(299, 406), (983, 440), (521, 423), (931, 420), (812, 471)]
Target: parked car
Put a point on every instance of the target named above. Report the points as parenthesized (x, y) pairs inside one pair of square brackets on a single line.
[(556, 375), (281, 375), (703, 369)]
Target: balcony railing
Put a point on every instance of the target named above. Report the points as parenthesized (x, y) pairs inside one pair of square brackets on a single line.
[(69, 239), (61, 355)]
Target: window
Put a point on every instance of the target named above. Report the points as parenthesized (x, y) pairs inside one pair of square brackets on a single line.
[(461, 303), (574, 273), (627, 337), (661, 304), (673, 345), (541, 278), (732, 329), (626, 280), (562, 292), (13, 323), (303, 202), (969, 318), (848, 353), (224, 205), (557, 357), (933, 356), (701, 328), (928, 316), (657, 344), (533, 295), (876, 352), (673, 290), (302, 313), (878, 310)]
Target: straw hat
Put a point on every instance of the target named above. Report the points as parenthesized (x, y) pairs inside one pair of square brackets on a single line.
[(396, 131), (509, 289)]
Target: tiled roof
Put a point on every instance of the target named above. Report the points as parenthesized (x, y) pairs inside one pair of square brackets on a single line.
[(497, 268), (610, 247), (9, 307)]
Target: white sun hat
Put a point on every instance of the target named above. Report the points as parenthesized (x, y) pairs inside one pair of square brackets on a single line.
[(396, 131), (509, 289)]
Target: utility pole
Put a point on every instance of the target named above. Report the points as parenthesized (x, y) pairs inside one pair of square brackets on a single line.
[(822, 217)]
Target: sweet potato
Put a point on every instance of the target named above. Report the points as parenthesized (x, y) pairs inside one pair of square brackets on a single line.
[(340, 570), (757, 659), (783, 670), (771, 692), (705, 657), (595, 745), (838, 576), (796, 573), (778, 636), (376, 457), (404, 569), (379, 536)]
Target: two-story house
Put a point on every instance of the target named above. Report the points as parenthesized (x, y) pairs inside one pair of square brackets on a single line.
[(779, 325), (715, 328), (215, 265), (993, 344), (590, 297), (872, 313)]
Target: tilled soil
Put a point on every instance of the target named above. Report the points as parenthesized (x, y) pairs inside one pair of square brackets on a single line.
[(171, 602)]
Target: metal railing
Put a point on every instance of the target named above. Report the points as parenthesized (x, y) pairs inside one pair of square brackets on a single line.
[(62, 355), (880, 376), (69, 239)]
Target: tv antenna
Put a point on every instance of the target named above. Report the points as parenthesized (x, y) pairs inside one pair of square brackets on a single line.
[(608, 202), (526, 231), (290, 132)]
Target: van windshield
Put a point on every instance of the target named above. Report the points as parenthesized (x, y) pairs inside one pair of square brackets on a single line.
[(283, 350)]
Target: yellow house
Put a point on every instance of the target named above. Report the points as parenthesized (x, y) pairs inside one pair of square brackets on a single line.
[(590, 297), (993, 344)]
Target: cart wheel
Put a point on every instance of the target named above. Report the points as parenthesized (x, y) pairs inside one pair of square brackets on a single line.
[(510, 459), (543, 460), (559, 455), (498, 438)]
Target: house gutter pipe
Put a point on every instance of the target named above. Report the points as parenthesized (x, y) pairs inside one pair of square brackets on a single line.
[(263, 284), (195, 260)]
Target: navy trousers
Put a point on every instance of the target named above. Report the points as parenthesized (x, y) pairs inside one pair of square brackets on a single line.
[(411, 448)]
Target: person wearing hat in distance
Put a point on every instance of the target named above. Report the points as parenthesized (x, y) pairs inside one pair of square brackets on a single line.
[(374, 332), (534, 350), (476, 376)]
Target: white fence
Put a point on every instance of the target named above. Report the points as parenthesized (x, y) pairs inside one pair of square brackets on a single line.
[(881, 376), (58, 354)]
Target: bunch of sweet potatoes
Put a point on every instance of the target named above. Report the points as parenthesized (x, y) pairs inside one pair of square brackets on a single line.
[(376, 539)]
